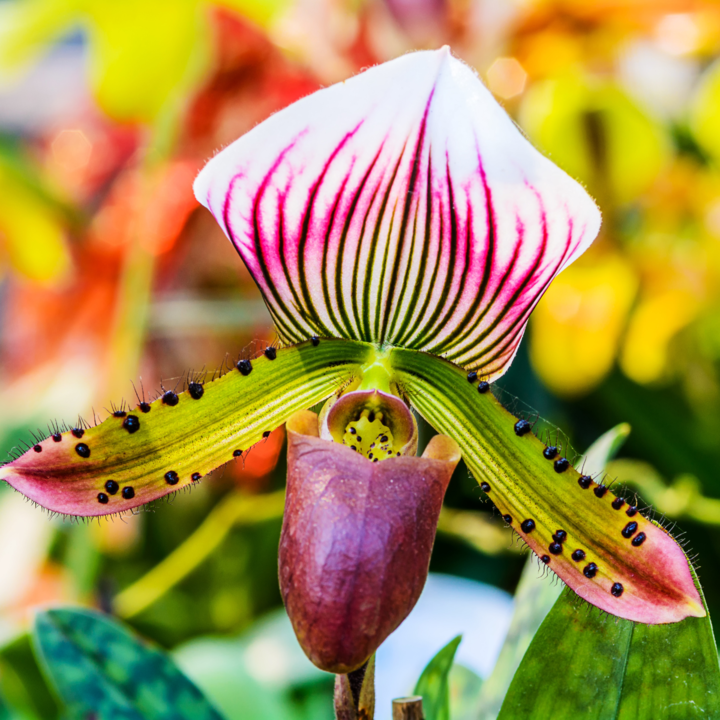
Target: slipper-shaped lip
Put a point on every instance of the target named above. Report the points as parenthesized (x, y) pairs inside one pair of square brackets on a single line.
[(356, 541)]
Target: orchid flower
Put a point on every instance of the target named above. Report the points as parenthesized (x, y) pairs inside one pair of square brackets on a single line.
[(401, 230)]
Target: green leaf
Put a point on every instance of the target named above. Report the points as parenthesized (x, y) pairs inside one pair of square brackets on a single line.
[(604, 449), (465, 686), (22, 683), (608, 552), (536, 595), (534, 598), (585, 665), (261, 674), (433, 684), (99, 667), (157, 448)]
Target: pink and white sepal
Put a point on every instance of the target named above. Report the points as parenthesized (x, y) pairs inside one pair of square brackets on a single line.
[(402, 206)]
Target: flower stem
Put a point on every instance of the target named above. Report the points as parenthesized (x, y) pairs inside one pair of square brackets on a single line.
[(355, 679), (355, 693)]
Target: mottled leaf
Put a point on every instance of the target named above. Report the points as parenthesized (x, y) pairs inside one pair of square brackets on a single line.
[(99, 667)]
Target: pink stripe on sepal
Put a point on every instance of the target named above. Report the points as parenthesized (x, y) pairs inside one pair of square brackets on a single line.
[(402, 206)]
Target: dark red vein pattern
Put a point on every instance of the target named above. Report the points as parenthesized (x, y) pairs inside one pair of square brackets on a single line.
[(402, 207)]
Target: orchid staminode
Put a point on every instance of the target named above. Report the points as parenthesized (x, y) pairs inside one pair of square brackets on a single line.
[(401, 230)]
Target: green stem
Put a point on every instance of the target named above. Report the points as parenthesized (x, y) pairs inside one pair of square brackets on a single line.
[(136, 281), (232, 511), (478, 530)]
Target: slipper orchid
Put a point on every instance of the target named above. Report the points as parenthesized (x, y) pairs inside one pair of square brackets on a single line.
[(401, 230)]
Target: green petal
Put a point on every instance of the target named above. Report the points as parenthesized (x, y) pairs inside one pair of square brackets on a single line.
[(163, 446), (535, 596), (606, 551)]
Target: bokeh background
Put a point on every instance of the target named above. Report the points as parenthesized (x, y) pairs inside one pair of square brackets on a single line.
[(113, 282)]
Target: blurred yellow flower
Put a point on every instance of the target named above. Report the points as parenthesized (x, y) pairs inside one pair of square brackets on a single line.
[(144, 57), (550, 52), (577, 326), (597, 134), (655, 322), (32, 237), (705, 111)]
